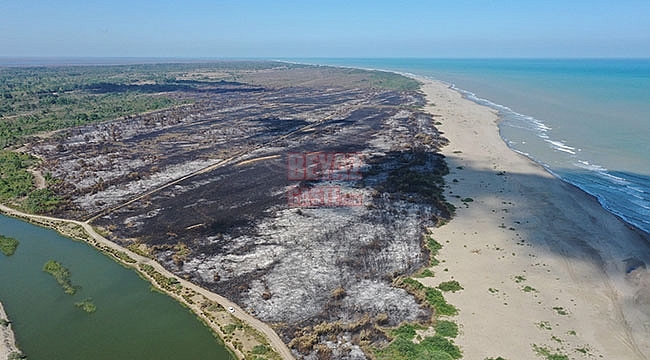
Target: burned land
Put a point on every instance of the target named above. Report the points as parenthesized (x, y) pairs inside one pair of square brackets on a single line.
[(203, 188)]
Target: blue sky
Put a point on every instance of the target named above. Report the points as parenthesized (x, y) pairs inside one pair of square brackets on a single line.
[(274, 29)]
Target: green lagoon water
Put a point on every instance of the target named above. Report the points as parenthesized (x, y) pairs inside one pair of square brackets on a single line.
[(131, 321)]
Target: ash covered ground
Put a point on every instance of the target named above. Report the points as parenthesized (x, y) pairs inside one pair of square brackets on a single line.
[(204, 189)]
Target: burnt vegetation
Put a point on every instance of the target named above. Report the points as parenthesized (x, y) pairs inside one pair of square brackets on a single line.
[(202, 187)]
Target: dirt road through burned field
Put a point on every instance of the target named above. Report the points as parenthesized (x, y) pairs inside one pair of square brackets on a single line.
[(233, 229)]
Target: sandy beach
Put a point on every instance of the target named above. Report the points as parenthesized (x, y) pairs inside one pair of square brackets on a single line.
[(7, 339), (544, 267)]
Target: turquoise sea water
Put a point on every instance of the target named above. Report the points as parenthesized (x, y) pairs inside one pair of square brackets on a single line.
[(586, 121)]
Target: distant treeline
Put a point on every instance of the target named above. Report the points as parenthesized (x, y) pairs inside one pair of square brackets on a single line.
[(40, 99)]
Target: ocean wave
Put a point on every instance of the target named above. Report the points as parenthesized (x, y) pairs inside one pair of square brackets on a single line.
[(589, 166), (561, 146), (628, 199)]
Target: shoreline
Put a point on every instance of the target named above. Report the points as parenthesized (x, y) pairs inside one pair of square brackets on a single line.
[(466, 94), (209, 307), (8, 344), (543, 264)]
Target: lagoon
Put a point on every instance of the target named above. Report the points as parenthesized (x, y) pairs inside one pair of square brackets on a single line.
[(131, 321)]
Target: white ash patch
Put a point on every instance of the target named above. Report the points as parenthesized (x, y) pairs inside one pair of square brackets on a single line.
[(119, 193), (376, 297), (138, 219)]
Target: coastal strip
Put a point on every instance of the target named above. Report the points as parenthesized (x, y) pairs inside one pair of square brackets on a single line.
[(545, 269), (240, 331), (7, 339)]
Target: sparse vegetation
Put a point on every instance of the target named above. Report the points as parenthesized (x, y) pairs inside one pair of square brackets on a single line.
[(435, 298), (425, 273), (168, 283), (16, 356), (260, 349), (433, 247), (61, 274), (547, 354), (8, 245), (446, 328), (403, 348), (86, 305), (528, 288), (452, 286), (560, 310)]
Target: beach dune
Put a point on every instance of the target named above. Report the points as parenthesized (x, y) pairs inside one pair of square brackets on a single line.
[(544, 267)]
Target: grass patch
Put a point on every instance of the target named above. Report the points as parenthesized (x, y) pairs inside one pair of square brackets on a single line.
[(17, 184), (406, 331), (61, 274), (87, 305), (452, 286), (403, 348), (8, 245), (560, 310), (446, 328), (434, 247), (412, 285), (168, 283), (435, 298), (547, 354), (425, 273), (260, 349)]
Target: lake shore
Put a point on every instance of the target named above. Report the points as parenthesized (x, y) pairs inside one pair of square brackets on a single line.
[(7, 339), (545, 269), (239, 331)]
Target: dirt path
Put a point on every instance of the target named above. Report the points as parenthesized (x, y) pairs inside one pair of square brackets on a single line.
[(39, 180), (255, 323)]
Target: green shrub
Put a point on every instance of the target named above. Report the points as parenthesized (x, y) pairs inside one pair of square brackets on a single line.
[(435, 298), (8, 245), (61, 274), (260, 349), (87, 305), (446, 328), (440, 343), (452, 286)]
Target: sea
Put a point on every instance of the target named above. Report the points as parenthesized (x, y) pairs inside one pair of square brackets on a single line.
[(587, 121)]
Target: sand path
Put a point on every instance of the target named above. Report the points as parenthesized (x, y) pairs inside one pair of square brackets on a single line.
[(239, 313), (541, 262)]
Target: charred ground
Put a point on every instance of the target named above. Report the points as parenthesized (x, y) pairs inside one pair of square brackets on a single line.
[(202, 188)]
